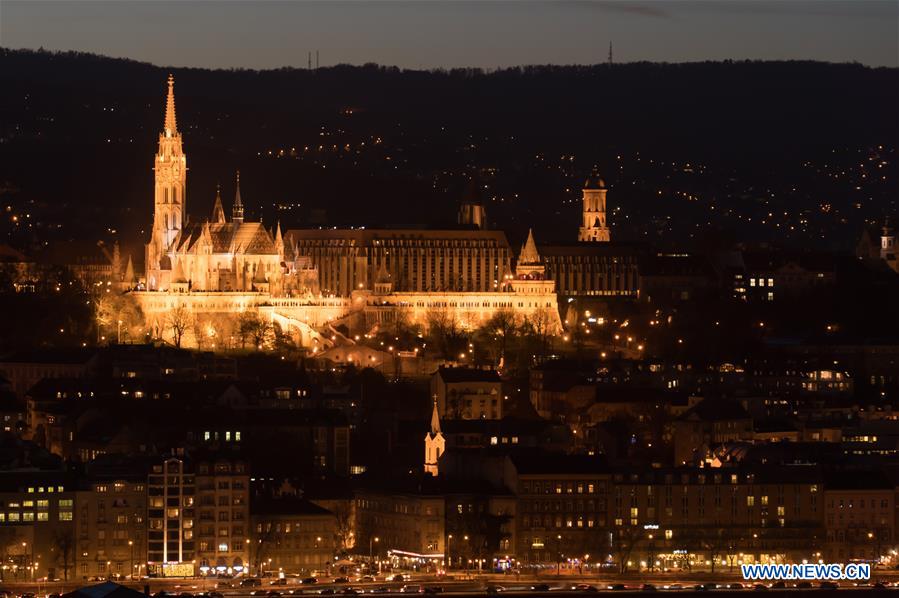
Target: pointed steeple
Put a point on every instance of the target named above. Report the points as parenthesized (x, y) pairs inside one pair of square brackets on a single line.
[(529, 254), (279, 238), (218, 212), (171, 126), (129, 272), (382, 275), (435, 420), (237, 209)]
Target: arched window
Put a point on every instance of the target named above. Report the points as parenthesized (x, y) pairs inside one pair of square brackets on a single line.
[(165, 195), (174, 194), (166, 221)]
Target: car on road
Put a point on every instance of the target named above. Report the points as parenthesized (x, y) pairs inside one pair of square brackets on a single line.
[(829, 585), (273, 594), (309, 580), (327, 592), (281, 581), (617, 587), (778, 585), (367, 579), (341, 580), (585, 587), (398, 577), (495, 589), (433, 590), (735, 586), (351, 591), (540, 587), (412, 589), (379, 590), (804, 585), (648, 587), (250, 582), (760, 587)]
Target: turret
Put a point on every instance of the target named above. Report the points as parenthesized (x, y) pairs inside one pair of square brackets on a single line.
[(237, 208), (218, 212)]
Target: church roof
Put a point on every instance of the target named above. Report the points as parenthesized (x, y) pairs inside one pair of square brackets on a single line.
[(228, 237), (594, 181), (529, 254)]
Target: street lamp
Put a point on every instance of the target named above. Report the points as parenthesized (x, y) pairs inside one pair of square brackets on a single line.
[(467, 560), (558, 555), (371, 559), (131, 546), (449, 541)]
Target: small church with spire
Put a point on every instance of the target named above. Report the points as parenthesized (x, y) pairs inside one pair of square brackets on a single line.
[(214, 254), (435, 443)]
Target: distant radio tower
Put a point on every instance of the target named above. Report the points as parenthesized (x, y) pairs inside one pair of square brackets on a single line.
[(610, 54), (316, 60), (310, 60)]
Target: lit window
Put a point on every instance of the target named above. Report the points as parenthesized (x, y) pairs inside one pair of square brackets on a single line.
[(65, 515)]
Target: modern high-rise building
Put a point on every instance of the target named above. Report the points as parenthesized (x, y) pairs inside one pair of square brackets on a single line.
[(171, 544)]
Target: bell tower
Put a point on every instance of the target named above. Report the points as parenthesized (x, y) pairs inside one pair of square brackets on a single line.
[(170, 190), (593, 225)]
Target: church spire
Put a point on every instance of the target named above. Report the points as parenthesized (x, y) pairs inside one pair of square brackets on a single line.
[(237, 209), (435, 420), (529, 254), (218, 213), (171, 127)]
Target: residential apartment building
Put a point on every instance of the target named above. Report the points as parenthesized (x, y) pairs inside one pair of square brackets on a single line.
[(223, 515)]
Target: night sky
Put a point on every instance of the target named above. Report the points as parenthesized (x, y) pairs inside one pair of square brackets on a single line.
[(431, 34)]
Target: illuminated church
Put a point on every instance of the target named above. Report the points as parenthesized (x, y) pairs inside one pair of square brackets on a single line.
[(218, 254)]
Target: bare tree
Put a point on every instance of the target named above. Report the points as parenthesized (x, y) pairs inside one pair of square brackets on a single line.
[(178, 320), (541, 326), (254, 328), (65, 545), (503, 325)]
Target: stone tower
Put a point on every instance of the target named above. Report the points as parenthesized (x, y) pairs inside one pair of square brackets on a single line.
[(170, 190), (593, 225), (471, 210)]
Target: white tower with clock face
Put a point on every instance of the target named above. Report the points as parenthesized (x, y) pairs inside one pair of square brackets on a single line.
[(170, 189)]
